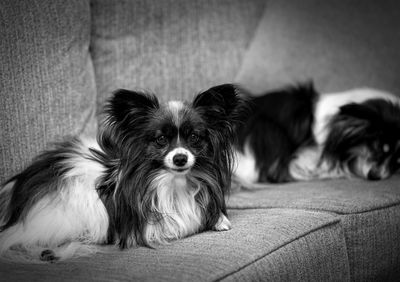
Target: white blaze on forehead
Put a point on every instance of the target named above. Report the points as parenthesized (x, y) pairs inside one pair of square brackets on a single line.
[(175, 107)]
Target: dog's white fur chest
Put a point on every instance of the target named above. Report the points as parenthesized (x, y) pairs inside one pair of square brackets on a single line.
[(173, 199)]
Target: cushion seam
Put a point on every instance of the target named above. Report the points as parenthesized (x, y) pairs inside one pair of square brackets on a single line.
[(316, 209), (335, 222)]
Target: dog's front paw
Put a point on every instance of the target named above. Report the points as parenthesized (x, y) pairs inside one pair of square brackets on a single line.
[(48, 255), (300, 171), (223, 224), (305, 166)]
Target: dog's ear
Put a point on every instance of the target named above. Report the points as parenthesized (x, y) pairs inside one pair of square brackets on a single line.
[(221, 106), (349, 128), (125, 115), (125, 103), (362, 112)]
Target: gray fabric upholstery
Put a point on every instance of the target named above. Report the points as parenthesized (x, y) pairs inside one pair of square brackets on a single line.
[(257, 234), (47, 86), (172, 48), (373, 244), (340, 196), (316, 256), (369, 214), (337, 44)]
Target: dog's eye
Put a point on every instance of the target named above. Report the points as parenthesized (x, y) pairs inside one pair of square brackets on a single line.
[(194, 138), (162, 140)]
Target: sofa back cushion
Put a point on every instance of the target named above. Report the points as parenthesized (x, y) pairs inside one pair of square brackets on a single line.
[(47, 85), (338, 44), (174, 48)]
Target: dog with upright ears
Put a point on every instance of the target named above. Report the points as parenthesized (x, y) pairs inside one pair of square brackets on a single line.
[(157, 172)]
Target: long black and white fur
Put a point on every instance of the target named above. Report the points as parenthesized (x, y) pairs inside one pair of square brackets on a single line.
[(156, 173), (294, 133)]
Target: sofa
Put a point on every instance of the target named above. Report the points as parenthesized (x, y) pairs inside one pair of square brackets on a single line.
[(60, 60)]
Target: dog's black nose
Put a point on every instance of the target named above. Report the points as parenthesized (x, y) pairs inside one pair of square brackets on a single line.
[(180, 159)]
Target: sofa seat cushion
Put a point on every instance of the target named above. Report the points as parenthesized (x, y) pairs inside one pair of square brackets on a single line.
[(341, 196), (265, 244), (369, 213)]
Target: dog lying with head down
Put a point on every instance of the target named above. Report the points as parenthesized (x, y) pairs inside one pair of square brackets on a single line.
[(156, 173), (296, 134)]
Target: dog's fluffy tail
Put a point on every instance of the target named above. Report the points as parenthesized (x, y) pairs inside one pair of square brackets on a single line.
[(52, 211)]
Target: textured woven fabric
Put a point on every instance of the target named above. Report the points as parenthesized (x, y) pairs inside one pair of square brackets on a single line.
[(373, 244), (369, 214), (338, 44), (209, 256), (46, 77), (317, 256), (172, 48), (340, 196)]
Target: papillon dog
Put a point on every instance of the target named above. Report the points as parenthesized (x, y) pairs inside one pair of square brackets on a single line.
[(295, 133), (157, 172)]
